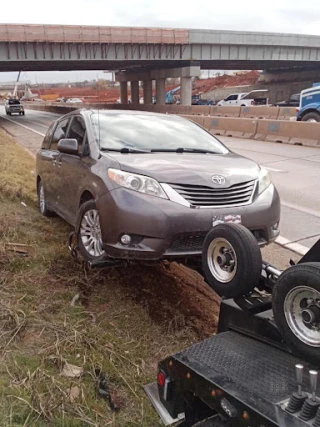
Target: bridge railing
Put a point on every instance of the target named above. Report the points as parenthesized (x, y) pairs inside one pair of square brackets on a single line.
[(90, 34)]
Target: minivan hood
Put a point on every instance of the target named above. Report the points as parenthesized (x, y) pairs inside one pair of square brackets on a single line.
[(189, 168)]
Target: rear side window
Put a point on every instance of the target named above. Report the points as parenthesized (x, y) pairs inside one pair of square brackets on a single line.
[(77, 131), (59, 133), (46, 140), (295, 98)]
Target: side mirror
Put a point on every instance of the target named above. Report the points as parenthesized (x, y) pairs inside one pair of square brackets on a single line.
[(68, 146)]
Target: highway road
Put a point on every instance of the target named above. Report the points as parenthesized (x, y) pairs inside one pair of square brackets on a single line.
[(295, 170)]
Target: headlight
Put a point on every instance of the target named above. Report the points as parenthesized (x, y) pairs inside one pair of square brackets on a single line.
[(264, 180), (140, 183)]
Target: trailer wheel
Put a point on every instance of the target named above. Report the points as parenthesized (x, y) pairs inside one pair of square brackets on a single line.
[(231, 260), (296, 307), (311, 117)]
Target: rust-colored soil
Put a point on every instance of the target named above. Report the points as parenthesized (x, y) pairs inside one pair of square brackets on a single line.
[(173, 296)]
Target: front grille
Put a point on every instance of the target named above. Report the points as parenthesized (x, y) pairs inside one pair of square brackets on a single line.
[(202, 196), (187, 243)]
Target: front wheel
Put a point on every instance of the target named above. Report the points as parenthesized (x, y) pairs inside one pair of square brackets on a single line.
[(89, 234), (312, 117), (231, 260), (296, 308)]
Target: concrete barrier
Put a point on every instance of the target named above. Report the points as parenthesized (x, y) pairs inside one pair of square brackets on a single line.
[(51, 107), (299, 133), (200, 109), (260, 112), (225, 111), (194, 118), (285, 113), (231, 126)]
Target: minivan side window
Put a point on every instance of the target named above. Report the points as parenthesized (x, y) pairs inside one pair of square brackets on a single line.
[(77, 131), (59, 133)]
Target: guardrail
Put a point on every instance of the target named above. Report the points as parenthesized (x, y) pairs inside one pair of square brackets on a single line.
[(292, 132)]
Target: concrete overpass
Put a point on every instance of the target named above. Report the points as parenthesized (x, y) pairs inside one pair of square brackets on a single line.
[(142, 50)]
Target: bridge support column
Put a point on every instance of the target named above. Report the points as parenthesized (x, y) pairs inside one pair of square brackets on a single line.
[(135, 96), (186, 90), (123, 92), (147, 92), (161, 91)]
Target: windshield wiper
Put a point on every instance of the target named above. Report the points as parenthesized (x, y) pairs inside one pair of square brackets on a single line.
[(184, 150), (125, 150)]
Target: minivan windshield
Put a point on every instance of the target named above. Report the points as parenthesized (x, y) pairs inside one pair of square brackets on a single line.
[(125, 132)]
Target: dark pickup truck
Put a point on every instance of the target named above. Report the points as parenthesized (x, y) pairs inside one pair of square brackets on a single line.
[(13, 106), (293, 101)]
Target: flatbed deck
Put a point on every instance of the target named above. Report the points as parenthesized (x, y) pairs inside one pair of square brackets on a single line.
[(259, 377), (245, 371)]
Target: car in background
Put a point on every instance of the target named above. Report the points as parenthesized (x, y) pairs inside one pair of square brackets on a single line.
[(309, 108), (14, 106), (255, 97), (147, 186), (232, 99), (74, 101), (293, 101)]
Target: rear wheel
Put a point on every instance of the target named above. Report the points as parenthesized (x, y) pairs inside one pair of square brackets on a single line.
[(43, 201), (231, 260), (89, 232), (296, 307), (311, 117)]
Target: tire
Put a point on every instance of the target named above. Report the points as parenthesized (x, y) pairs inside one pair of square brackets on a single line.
[(23, 113), (89, 233), (42, 201), (242, 251), (294, 287), (311, 117), (9, 113)]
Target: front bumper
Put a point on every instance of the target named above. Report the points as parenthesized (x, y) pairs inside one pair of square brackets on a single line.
[(161, 228), (15, 110)]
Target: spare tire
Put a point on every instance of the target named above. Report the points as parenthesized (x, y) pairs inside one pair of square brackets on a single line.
[(296, 308), (231, 260)]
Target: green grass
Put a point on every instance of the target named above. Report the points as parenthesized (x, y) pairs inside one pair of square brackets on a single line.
[(118, 324)]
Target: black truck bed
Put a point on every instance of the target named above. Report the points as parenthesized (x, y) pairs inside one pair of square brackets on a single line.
[(251, 375)]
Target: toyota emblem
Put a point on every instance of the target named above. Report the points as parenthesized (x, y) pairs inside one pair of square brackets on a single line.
[(218, 179)]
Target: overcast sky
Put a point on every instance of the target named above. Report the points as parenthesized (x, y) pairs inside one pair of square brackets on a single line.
[(285, 16)]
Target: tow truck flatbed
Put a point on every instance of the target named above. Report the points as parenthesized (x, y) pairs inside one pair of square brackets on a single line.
[(260, 370), (240, 372), (251, 375)]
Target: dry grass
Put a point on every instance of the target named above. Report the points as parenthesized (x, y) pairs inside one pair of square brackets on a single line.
[(108, 328)]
